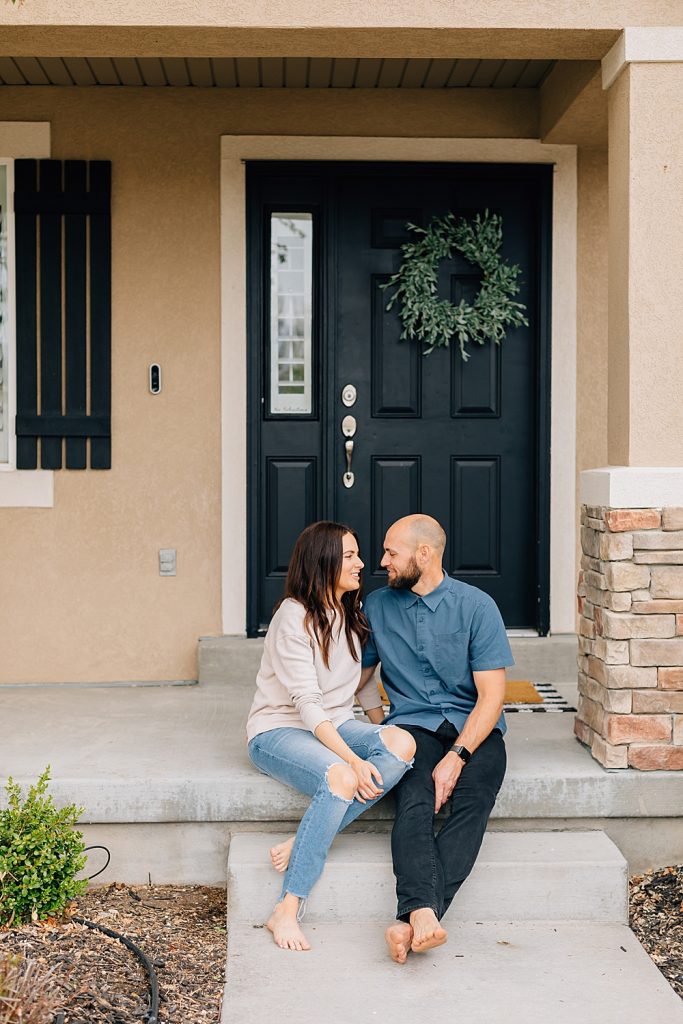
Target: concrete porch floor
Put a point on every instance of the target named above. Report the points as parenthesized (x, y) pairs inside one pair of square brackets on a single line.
[(164, 778)]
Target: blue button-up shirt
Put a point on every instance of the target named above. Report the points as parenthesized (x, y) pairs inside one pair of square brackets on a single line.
[(430, 646)]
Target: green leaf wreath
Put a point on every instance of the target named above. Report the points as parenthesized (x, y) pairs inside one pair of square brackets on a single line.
[(435, 321)]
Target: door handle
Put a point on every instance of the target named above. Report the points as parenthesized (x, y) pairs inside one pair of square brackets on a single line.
[(348, 477)]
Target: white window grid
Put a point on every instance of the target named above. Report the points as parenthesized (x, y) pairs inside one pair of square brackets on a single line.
[(291, 283)]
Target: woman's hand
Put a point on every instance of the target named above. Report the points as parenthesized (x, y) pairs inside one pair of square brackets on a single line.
[(366, 772)]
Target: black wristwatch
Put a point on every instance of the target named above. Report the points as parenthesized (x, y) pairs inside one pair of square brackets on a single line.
[(462, 752)]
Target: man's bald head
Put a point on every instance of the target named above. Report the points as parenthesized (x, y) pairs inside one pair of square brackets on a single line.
[(413, 550), (420, 529)]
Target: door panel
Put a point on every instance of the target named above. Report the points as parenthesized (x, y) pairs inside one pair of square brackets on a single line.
[(395, 492), (475, 516), (463, 441), (396, 370), (290, 501)]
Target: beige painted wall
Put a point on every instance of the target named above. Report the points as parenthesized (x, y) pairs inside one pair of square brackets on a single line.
[(591, 398), (646, 255), (520, 29), (80, 594), (296, 13)]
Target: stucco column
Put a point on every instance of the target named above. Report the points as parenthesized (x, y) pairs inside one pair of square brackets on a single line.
[(631, 584), (645, 103)]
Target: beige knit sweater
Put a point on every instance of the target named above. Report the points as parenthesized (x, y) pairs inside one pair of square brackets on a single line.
[(293, 687)]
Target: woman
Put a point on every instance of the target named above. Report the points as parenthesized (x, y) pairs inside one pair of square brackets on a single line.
[(301, 728)]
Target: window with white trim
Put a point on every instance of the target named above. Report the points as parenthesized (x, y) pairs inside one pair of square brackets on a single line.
[(291, 287)]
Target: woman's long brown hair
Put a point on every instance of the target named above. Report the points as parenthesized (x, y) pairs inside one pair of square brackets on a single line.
[(312, 577)]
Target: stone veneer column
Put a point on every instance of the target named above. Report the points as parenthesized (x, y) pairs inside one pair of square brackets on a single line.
[(630, 710)]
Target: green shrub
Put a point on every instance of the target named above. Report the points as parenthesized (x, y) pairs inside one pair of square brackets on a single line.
[(24, 993), (40, 854)]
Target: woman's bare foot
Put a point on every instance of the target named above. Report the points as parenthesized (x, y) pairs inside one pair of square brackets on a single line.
[(281, 853), (427, 932), (399, 936), (285, 928)]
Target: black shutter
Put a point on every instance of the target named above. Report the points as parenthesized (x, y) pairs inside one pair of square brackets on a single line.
[(63, 264)]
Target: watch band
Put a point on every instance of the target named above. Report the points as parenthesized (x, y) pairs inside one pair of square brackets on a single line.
[(462, 752)]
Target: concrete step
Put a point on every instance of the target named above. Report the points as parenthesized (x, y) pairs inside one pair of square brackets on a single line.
[(164, 777), (547, 659), (522, 876), (521, 973)]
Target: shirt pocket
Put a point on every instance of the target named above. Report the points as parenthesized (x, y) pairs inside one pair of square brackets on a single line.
[(451, 653)]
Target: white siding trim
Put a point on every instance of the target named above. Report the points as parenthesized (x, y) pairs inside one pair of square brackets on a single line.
[(235, 150), (644, 46), (29, 488), (633, 486)]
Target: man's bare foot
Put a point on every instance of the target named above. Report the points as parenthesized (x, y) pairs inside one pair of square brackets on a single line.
[(286, 931), (399, 936), (281, 853), (427, 932)]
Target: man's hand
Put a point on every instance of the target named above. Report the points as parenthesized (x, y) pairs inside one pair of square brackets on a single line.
[(446, 775)]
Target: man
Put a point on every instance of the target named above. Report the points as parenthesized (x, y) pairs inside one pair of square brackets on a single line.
[(443, 649)]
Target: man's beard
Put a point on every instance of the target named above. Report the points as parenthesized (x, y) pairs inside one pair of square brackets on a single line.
[(408, 578)]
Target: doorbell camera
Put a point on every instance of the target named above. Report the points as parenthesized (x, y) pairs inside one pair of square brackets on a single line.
[(154, 378)]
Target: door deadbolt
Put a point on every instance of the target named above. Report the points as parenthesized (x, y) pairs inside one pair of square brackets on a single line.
[(349, 395)]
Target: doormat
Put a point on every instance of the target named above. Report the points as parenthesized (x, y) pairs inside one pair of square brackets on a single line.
[(546, 697), (521, 691)]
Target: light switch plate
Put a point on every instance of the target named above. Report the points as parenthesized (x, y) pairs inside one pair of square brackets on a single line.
[(167, 561)]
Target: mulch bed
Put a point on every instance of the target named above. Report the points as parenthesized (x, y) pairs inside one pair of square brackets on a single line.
[(96, 980), (656, 916)]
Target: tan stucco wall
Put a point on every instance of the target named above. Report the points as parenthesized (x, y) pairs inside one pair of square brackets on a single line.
[(591, 392), (516, 29), (80, 594), (618, 359), (646, 255), (520, 29), (298, 13)]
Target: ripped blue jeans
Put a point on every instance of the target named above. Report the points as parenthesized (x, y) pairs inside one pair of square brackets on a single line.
[(297, 758)]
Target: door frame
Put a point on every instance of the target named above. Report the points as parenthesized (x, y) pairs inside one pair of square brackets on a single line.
[(236, 150)]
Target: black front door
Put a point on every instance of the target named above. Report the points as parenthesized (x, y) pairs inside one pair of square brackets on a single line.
[(464, 442)]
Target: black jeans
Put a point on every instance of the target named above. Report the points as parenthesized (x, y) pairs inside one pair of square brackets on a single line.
[(431, 868)]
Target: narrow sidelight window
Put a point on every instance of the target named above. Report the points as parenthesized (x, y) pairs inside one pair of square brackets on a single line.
[(291, 294)]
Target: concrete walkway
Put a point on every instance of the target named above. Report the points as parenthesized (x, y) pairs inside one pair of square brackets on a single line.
[(537, 933), (489, 973)]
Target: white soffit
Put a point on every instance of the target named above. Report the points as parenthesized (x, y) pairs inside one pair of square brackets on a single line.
[(642, 45), (633, 487)]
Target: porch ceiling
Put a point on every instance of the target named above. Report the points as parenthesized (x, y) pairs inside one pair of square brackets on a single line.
[(276, 72)]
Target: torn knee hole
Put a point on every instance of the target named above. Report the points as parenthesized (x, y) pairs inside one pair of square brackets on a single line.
[(341, 781), (399, 742)]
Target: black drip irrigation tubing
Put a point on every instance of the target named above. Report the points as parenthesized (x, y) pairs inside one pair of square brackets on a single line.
[(153, 1012), (106, 863)]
